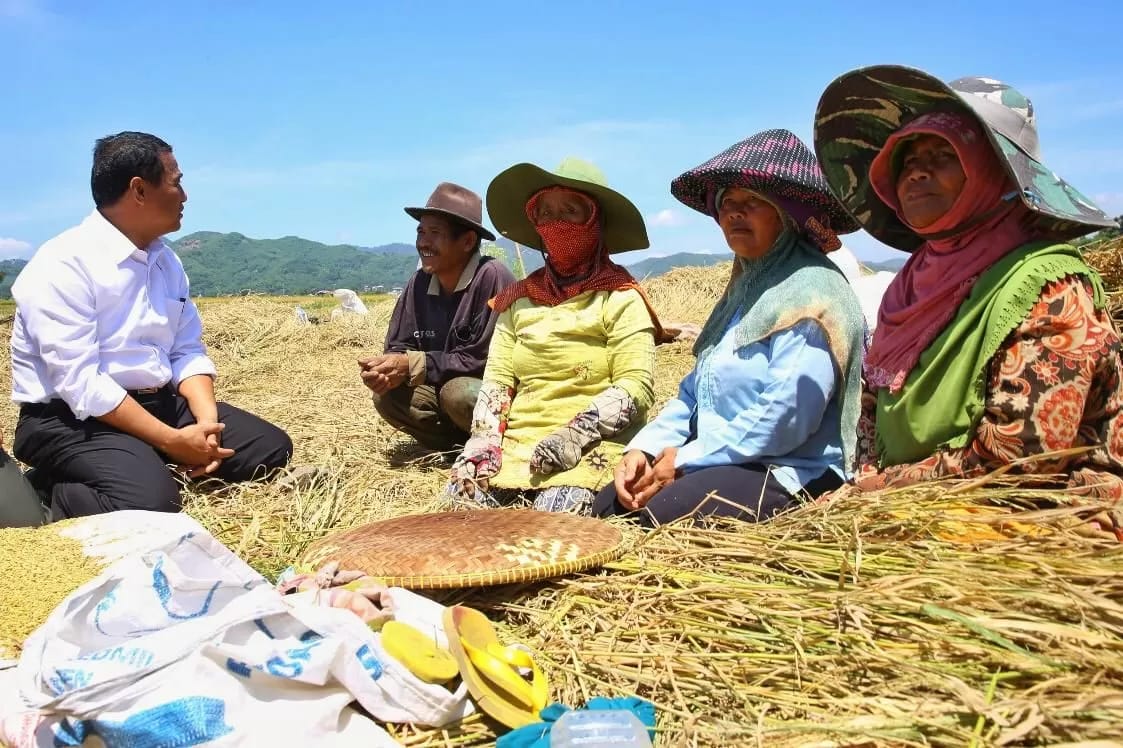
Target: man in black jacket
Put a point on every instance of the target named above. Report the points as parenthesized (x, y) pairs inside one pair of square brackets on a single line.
[(426, 382)]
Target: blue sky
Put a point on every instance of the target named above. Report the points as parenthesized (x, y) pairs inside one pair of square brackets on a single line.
[(324, 119)]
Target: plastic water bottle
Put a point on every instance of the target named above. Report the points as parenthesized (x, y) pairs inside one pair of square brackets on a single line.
[(607, 728)]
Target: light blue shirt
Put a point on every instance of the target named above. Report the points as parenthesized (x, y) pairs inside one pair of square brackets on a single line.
[(771, 402)]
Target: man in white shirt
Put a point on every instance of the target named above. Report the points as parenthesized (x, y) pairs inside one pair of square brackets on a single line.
[(108, 362)]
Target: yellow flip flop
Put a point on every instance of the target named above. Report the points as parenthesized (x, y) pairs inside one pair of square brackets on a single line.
[(492, 671), (419, 653)]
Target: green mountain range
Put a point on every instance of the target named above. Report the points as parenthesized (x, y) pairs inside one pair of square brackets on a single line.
[(224, 264), (221, 264), (656, 266)]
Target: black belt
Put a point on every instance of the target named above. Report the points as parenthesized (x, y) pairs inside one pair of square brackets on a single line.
[(153, 397), (145, 394)]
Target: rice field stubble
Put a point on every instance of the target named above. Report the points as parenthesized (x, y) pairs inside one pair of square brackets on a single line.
[(951, 614)]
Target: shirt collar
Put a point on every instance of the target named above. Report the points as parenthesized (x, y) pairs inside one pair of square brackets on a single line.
[(466, 276), (114, 245)]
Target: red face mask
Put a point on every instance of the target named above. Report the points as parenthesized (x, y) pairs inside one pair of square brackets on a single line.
[(571, 248), (576, 258)]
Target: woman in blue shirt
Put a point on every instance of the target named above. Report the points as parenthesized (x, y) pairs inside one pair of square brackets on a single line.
[(769, 412)]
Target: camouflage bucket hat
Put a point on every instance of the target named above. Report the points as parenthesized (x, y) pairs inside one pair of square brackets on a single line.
[(861, 109)]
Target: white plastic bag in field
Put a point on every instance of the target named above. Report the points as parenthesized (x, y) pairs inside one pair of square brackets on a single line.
[(349, 302), (871, 289), (182, 643), (868, 288)]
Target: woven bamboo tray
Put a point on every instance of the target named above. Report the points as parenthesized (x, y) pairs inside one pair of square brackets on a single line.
[(475, 548)]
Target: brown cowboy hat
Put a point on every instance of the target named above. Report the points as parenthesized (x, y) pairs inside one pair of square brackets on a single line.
[(458, 203)]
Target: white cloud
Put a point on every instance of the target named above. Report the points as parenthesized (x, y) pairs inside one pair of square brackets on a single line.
[(15, 248), (667, 218)]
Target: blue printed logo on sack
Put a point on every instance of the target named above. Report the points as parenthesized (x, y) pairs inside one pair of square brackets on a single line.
[(181, 723), (289, 666), (163, 591), (134, 657), (369, 662), (66, 680)]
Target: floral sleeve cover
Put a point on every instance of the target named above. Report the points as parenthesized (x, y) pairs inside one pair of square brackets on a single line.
[(608, 414), (1055, 385), (482, 455)]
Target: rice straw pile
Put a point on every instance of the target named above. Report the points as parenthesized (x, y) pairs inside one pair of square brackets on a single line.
[(844, 621), (688, 294), (1107, 258), (942, 615)]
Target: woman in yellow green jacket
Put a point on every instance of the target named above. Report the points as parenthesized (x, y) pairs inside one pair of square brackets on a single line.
[(570, 370)]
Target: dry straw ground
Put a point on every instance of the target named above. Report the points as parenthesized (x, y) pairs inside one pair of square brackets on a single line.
[(943, 615)]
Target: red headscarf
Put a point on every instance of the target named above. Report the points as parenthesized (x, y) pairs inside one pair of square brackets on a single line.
[(983, 224), (573, 250)]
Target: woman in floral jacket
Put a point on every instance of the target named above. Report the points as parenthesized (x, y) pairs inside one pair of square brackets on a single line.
[(993, 347)]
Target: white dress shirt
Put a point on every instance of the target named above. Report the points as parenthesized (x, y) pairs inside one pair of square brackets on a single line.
[(96, 316)]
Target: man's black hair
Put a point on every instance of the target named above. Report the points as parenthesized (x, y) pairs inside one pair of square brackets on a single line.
[(118, 158)]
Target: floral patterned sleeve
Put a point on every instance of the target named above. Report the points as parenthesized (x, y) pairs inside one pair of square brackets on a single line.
[(866, 453), (482, 456), (1054, 386)]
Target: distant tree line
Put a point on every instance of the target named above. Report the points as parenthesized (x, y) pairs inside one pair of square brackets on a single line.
[(220, 264), (233, 264)]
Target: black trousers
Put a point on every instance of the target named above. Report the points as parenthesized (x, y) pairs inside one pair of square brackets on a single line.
[(89, 467), (745, 492)]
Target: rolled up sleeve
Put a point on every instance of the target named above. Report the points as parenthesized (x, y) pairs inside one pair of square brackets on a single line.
[(188, 355), (61, 315)]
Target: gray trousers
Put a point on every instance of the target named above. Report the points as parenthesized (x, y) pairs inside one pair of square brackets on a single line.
[(19, 504), (439, 419)]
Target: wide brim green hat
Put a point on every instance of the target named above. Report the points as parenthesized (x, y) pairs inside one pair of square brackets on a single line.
[(860, 110), (508, 193)]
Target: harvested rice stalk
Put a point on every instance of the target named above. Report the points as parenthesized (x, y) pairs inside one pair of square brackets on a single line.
[(1107, 258), (850, 622)]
